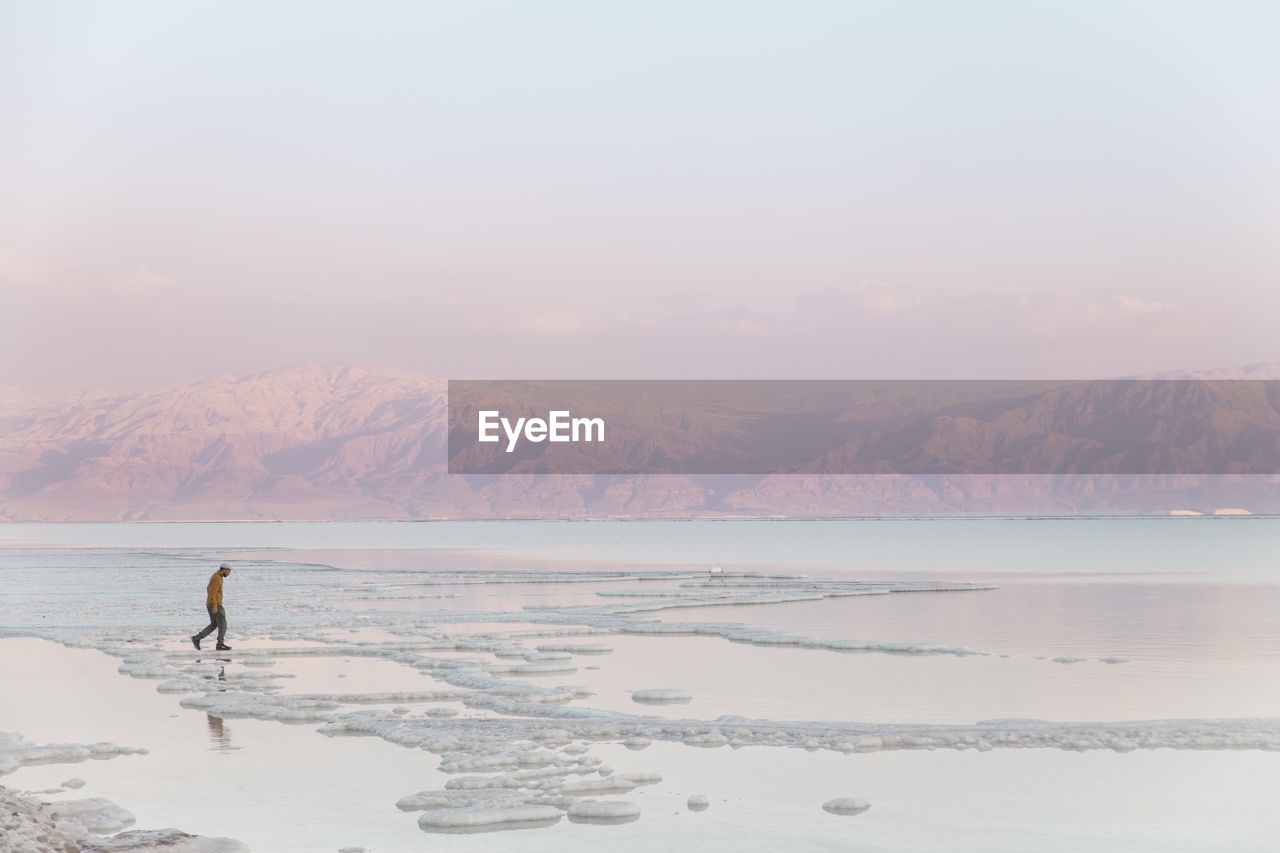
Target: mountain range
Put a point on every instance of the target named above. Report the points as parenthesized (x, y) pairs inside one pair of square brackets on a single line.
[(345, 442)]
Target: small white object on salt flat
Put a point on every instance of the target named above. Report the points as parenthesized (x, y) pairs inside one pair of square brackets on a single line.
[(604, 811), (642, 778), (96, 815), (599, 785), (546, 657), (846, 806), (487, 817), (698, 803), (577, 648), (550, 668), (661, 695)]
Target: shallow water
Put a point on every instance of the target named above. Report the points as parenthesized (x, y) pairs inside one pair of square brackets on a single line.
[(278, 788), (1220, 547), (285, 789), (1185, 610)]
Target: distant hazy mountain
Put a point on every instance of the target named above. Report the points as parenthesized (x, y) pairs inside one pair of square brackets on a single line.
[(1261, 370), (362, 442), (332, 442)]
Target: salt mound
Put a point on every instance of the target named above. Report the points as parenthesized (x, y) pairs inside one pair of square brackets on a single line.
[(846, 806), (577, 648), (706, 740), (32, 827), (642, 778), (544, 657), (698, 803), (549, 668), (661, 695), (168, 840), (440, 712), (604, 811), (604, 785), (95, 815), (16, 752), (488, 818)]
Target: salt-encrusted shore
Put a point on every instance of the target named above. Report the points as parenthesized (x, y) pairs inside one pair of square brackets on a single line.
[(29, 826), (90, 825), (528, 752)]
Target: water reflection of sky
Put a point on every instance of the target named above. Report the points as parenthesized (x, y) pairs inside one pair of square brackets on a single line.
[(798, 684), (505, 597), (1227, 624), (1192, 605), (1223, 548), (288, 790)]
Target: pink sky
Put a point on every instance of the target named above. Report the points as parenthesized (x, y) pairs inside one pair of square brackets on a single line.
[(140, 327), (725, 190)]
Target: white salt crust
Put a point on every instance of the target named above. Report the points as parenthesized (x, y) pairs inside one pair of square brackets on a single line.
[(846, 806), (528, 761), (77, 826)]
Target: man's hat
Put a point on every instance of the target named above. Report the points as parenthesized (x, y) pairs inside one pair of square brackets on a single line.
[(226, 566)]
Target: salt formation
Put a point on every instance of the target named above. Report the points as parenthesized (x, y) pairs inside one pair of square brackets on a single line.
[(94, 815), (577, 648), (698, 803), (16, 752), (521, 754), (488, 818), (846, 806), (661, 695), (165, 840), (27, 826), (606, 785), (604, 812)]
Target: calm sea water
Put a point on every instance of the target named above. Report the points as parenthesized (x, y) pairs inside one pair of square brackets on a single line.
[(1221, 549), (1191, 607)]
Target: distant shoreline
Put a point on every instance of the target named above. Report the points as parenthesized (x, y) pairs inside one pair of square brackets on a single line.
[(1182, 514)]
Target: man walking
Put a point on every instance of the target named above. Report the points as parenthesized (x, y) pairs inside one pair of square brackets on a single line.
[(217, 616)]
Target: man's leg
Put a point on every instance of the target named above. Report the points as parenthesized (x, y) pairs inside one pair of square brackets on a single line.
[(213, 624), (220, 619)]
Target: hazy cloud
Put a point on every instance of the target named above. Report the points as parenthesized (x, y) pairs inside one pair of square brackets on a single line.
[(469, 194), (556, 322), (130, 324)]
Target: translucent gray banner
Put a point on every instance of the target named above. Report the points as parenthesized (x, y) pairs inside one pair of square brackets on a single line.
[(1113, 427)]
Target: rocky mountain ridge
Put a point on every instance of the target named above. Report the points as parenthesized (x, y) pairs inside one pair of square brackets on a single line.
[(366, 442)]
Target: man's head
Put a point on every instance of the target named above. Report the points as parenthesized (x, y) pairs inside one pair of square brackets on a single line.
[(224, 569)]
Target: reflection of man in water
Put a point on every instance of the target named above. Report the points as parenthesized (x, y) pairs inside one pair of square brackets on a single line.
[(217, 616), (220, 736)]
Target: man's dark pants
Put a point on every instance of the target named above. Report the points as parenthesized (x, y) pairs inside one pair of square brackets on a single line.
[(217, 619)]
